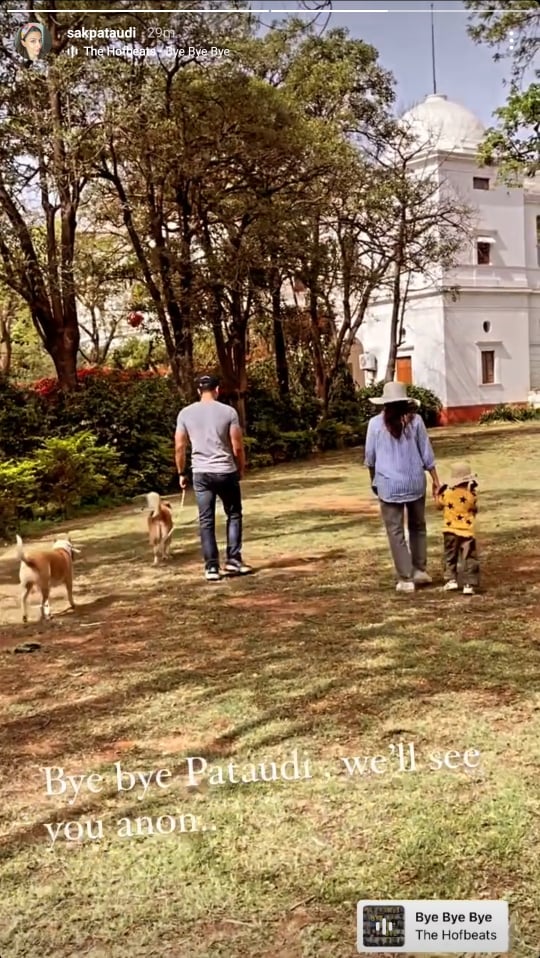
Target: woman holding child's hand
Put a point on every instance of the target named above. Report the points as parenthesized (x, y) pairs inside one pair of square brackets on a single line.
[(398, 454)]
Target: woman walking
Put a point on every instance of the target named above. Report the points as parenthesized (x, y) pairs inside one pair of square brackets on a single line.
[(398, 454)]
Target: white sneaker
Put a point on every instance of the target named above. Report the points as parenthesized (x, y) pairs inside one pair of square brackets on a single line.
[(212, 574), (451, 586), (235, 567), (468, 590), (405, 585), (421, 578)]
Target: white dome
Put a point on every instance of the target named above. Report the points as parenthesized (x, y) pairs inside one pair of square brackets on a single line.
[(443, 125)]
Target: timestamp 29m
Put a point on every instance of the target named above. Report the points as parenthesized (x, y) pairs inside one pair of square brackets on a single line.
[(158, 33)]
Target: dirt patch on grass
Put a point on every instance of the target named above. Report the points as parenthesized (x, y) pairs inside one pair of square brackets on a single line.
[(303, 563), (352, 505), (276, 604)]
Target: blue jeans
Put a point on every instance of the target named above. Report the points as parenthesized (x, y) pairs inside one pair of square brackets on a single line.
[(208, 487)]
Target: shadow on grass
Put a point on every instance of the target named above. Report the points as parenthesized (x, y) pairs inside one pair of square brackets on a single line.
[(332, 652), (125, 549), (282, 677), (288, 480), (473, 442), (308, 634)]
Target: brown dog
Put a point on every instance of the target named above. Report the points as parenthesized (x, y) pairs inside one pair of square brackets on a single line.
[(44, 569), (160, 526)]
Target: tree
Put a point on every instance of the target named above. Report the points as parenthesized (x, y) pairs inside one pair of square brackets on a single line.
[(49, 119), (264, 161), (8, 306), (20, 354), (52, 130), (42, 177), (418, 228), (104, 274), (344, 90), (156, 155), (515, 26)]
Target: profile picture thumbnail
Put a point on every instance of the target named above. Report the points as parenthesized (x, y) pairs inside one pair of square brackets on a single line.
[(33, 41)]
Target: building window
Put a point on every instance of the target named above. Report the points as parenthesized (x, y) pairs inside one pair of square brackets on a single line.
[(538, 240), (404, 370), (488, 367), (480, 183), (483, 253), (486, 326)]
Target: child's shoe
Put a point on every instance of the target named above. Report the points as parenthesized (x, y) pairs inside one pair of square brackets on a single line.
[(468, 590), (451, 586)]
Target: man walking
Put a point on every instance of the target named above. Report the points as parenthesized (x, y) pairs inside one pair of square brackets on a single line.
[(218, 463)]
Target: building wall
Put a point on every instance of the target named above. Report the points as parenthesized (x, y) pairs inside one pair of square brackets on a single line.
[(507, 335), (531, 228), (423, 340), (499, 212), (532, 253), (534, 341)]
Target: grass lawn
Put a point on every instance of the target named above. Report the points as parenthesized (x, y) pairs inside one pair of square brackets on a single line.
[(316, 652)]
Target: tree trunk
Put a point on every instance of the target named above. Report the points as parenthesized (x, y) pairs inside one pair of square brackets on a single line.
[(394, 324), (66, 366), (321, 377), (5, 340), (174, 319), (312, 271), (241, 373), (232, 352), (280, 349), (62, 344), (182, 362), (396, 303), (238, 352)]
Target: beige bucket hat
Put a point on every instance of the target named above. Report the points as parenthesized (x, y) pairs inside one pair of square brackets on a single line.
[(460, 472), (393, 392)]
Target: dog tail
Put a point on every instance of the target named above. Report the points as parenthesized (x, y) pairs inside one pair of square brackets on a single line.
[(20, 553), (154, 503)]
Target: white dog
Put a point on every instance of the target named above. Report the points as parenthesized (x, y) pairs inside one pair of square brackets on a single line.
[(43, 569)]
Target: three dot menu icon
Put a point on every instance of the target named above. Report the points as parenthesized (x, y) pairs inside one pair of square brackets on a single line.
[(383, 925)]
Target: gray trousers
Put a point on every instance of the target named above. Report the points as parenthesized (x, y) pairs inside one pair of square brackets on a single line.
[(461, 560), (406, 557)]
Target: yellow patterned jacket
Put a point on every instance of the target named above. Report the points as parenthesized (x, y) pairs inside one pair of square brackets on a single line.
[(459, 508)]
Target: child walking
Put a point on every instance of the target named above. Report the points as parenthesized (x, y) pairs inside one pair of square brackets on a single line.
[(458, 502)]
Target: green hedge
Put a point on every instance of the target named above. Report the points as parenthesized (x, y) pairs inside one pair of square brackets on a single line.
[(21, 414), (63, 475), (114, 436), (131, 412), (430, 405), (332, 434), (509, 413)]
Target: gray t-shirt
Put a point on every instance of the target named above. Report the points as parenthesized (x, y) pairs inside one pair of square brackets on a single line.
[(207, 425)]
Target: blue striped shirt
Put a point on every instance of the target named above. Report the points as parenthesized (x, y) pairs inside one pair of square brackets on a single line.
[(400, 464)]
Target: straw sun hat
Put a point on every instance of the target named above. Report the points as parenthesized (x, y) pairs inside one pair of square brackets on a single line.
[(393, 392), (460, 472)]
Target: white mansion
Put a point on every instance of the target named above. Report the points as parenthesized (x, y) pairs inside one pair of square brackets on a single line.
[(483, 347)]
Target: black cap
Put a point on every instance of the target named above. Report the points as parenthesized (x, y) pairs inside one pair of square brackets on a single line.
[(207, 383)]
